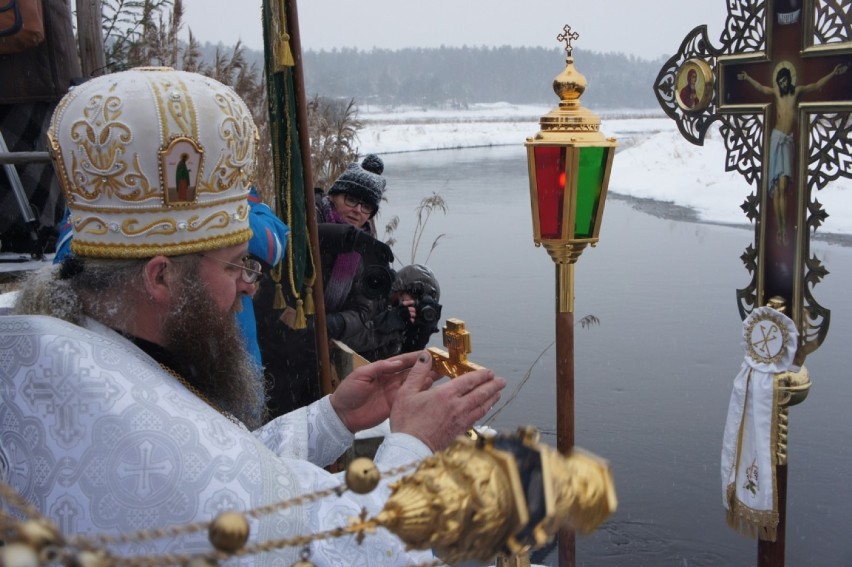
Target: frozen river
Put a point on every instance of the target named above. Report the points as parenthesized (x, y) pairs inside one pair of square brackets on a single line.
[(654, 377)]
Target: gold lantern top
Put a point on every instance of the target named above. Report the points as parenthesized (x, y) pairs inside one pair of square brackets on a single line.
[(570, 118), (569, 164)]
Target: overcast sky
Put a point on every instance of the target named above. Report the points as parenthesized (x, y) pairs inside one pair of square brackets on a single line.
[(647, 29)]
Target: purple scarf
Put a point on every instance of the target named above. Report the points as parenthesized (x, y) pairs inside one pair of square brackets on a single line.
[(345, 265)]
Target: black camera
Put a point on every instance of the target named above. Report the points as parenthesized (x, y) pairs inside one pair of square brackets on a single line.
[(417, 334), (376, 280), (420, 283), (428, 310)]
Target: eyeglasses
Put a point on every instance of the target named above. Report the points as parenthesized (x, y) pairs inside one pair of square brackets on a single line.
[(251, 270), (353, 202)]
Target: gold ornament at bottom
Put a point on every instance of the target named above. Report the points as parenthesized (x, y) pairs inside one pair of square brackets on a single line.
[(18, 555), (229, 531), (497, 494), (362, 475)]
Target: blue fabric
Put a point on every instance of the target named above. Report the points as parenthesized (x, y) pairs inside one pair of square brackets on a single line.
[(248, 327), (63, 243), (268, 244), (269, 233)]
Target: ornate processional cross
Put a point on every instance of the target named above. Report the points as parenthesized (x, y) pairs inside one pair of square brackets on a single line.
[(780, 87)]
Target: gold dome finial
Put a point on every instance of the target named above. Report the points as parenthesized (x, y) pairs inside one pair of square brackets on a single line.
[(569, 118), (570, 84)]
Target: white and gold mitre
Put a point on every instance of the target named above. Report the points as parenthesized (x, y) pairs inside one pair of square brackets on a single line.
[(154, 161)]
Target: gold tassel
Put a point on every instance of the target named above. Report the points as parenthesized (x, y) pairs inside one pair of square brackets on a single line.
[(299, 322), (281, 48), (279, 302), (309, 301), (310, 308), (283, 53)]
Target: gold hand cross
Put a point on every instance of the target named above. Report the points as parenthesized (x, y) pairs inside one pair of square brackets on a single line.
[(457, 340)]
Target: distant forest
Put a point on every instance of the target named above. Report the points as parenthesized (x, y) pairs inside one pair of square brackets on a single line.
[(459, 76)]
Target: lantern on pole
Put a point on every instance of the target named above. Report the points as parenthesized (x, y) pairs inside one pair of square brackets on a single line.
[(569, 166)]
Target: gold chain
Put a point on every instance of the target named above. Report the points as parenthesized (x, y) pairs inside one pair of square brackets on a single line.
[(101, 541)]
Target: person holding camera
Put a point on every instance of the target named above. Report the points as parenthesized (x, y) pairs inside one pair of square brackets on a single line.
[(418, 283), (356, 267)]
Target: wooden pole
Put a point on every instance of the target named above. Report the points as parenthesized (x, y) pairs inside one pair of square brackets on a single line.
[(565, 388), (90, 40), (771, 553), (310, 205)]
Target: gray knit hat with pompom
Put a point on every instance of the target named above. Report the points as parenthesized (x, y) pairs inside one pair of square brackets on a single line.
[(364, 182)]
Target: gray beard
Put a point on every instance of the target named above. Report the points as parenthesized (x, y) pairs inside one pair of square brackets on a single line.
[(213, 356)]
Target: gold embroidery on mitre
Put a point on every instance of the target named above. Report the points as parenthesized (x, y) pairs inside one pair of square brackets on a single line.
[(100, 163), (169, 226), (220, 219), (163, 227), (241, 136), (130, 250), (91, 225), (175, 107)]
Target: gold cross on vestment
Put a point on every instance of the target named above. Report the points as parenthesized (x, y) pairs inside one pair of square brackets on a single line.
[(780, 88)]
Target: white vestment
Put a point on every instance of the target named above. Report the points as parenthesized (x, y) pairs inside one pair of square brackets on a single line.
[(101, 440)]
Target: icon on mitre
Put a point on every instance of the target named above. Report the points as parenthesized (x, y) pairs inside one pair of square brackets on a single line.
[(181, 165)]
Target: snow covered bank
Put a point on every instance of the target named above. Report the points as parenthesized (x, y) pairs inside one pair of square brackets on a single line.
[(407, 129), (655, 163)]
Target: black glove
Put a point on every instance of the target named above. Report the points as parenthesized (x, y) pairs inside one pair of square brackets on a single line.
[(393, 320)]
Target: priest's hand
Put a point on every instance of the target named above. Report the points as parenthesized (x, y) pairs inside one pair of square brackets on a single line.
[(365, 397), (437, 415), (401, 388)]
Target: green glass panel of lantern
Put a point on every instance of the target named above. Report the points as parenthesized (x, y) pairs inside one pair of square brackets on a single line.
[(589, 184)]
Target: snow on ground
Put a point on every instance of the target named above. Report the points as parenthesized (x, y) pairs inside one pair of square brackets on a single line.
[(656, 162)]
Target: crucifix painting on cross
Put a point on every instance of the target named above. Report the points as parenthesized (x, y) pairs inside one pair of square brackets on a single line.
[(790, 82), (778, 87), (786, 95)]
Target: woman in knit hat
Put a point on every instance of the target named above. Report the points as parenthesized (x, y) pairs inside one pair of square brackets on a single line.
[(354, 197), (356, 267)]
